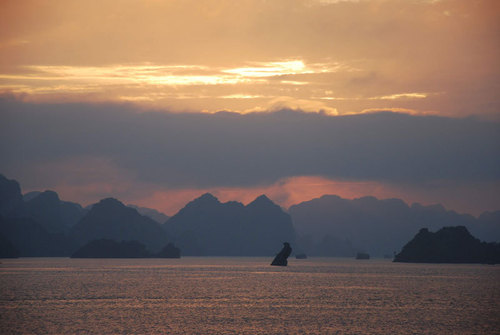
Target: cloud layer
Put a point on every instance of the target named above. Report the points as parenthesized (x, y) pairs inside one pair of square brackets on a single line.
[(75, 64), (346, 56), (229, 149)]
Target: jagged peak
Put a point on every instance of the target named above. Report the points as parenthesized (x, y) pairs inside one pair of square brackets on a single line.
[(113, 205), (5, 179), (203, 200), (42, 197), (108, 202), (456, 229), (9, 184), (49, 194), (207, 197), (262, 200)]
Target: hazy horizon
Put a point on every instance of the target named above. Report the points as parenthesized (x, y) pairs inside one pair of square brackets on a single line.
[(247, 200)]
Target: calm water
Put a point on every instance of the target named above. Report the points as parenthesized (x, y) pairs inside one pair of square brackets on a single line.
[(246, 296)]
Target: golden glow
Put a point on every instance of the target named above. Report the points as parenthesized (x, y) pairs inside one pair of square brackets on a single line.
[(173, 75), (123, 74), (271, 69), (214, 55), (241, 96), (146, 83), (334, 57), (154, 84), (402, 96), (291, 82), (286, 192)]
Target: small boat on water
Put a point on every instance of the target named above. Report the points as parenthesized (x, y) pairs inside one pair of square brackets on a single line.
[(362, 255), (301, 256)]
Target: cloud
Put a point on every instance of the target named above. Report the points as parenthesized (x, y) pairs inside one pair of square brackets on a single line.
[(414, 95), (232, 150), (304, 105), (157, 85), (54, 76), (423, 55)]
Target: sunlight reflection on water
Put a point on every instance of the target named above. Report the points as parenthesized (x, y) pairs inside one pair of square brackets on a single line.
[(246, 296)]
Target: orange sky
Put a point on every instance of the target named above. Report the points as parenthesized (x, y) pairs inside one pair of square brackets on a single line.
[(465, 198), (340, 56), (438, 57)]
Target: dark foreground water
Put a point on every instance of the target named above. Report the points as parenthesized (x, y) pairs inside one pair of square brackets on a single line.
[(246, 296)]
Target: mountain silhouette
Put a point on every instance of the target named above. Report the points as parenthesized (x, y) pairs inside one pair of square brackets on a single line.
[(30, 195), (24, 224), (448, 245), (487, 227), (32, 240), (150, 213), (41, 224), (11, 199), (205, 226), (168, 251), (379, 227), (111, 219), (7, 249), (54, 215)]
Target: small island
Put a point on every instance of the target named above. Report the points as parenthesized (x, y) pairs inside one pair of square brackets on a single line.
[(448, 245), (362, 255), (106, 248), (301, 256), (282, 256), (168, 251)]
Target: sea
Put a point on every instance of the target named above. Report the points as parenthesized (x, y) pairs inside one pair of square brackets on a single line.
[(226, 295)]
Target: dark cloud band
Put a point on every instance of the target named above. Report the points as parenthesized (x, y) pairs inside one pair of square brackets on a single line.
[(229, 149)]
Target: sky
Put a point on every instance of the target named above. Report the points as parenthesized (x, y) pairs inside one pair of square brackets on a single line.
[(156, 102)]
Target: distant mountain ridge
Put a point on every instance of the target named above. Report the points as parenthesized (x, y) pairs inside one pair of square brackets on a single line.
[(53, 214), (32, 240), (333, 226), (111, 219), (41, 224), (205, 226), (11, 199), (151, 213)]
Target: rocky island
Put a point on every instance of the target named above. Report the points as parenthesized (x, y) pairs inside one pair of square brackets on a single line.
[(362, 255), (448, 245), (168, 251), (282, 256)]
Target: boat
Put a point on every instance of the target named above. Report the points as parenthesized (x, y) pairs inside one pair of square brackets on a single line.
[(362, 255)]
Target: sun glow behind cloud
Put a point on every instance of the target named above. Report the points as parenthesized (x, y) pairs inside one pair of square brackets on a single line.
[(169, 75), (328, 57), (345, 55), (415, 95), (283, 84), (291, 67), (155, 84)]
